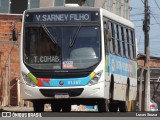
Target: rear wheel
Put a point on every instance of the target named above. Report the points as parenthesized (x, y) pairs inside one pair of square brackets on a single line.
[(122, 106), (38, 106)]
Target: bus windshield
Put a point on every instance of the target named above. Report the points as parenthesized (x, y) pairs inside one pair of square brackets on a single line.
[(62, 47)]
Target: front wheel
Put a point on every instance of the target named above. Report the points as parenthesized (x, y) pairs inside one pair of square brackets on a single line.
[(38, 106), (66, 108), (55, 107), (103, 105)]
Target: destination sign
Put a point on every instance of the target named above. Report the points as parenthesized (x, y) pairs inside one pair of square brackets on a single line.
[(61, 17), (44, 59)]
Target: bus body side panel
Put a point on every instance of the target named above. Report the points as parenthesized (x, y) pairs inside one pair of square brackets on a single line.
[(123, 69), (133, 89)]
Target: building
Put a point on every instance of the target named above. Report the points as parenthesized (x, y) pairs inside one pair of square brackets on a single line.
[(119, 7), (10, 6), (154, 76)]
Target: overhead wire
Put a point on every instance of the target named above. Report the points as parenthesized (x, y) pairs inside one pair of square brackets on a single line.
[(154, 16), (157, 4)]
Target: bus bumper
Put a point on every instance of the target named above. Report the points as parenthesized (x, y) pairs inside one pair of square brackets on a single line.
[(94, 91)]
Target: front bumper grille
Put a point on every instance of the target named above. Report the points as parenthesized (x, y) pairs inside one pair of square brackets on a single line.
[(51, 92)]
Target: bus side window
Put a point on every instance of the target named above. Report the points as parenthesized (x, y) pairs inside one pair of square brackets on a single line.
[(111, 43), (120, 39), (115, 39), (105, 35), (123, 41), (131, 44), (128, 43)]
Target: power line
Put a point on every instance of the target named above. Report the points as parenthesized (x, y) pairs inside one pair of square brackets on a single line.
[(136, 20), (155, 19), (137, 14), (157, 4), (133, 8), (142, 1), (150, 24)]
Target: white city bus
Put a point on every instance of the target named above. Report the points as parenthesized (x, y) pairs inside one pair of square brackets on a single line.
[(77, 55)]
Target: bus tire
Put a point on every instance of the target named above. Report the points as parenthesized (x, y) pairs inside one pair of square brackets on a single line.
[(113, 106), (66, 108), (55, 107), (38, 106), (102, 105), (122, 106)]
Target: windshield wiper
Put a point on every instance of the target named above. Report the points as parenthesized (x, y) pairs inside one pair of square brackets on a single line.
[(72, 41), (48, 33)]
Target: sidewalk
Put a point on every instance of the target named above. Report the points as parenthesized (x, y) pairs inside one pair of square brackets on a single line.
[(17, 109), (47, 108)]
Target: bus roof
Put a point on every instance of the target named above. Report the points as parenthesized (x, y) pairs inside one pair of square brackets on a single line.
[(61, 8), (105, 13), (117, 18)]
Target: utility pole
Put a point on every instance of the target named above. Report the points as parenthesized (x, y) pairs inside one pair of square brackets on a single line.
[(140, 90), (146, 29), (9, 72), (6, 79)]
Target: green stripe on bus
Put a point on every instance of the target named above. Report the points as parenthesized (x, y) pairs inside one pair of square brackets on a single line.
[(33, 78)]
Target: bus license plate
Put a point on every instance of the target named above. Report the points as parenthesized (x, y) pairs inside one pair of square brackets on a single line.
[(61, 96)]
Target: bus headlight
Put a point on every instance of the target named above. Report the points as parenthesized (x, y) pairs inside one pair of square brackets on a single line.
[(27, 80), (95, 78)]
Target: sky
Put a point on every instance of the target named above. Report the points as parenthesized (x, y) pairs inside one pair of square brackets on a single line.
[(137, 17)]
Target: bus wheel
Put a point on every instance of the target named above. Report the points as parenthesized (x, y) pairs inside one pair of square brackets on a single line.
[(113, 106), (55, 107), (122, 106), (38, 106), (102, 105), (66, 108)]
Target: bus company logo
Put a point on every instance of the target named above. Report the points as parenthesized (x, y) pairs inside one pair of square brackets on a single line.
[(61, 83), (6, 114)]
